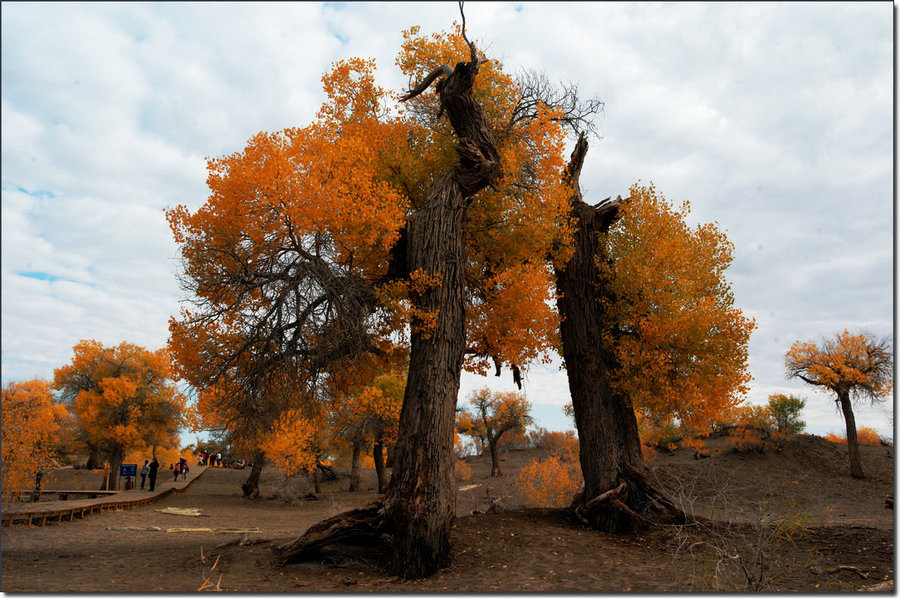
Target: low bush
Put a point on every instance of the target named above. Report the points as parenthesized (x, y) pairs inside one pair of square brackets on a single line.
[(548, 483)]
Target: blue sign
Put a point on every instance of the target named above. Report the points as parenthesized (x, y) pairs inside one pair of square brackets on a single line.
[(128, 471)]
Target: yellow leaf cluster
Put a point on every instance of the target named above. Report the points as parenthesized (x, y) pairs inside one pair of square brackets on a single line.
[(548, 483), (293, 445), (122, 396), (844, 362), (683, 345), (31, 422)]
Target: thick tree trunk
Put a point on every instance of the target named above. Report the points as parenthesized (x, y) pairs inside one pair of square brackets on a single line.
[(420, 501), (116, 457), (315, 478), (609, 444), (251, 486), (38, 478), (354, 467), (421, 498), (95, 458), (495, 458), (852, 443), (378, 458)]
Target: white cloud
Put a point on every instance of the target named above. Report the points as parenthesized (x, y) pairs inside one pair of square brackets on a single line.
[(775, 120)]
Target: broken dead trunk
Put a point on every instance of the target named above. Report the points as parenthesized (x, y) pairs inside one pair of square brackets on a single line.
[(250, 487), (616, 496), (418, 509)]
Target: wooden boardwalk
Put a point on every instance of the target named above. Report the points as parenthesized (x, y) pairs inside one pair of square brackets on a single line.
[(67, 510)]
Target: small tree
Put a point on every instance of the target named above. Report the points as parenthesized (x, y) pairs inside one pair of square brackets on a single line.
[(853, 367), (785, 412), (124, 397), (31, 422), (494, 415)]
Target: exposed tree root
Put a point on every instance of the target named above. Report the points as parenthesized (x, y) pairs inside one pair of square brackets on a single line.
[(630, 506), (365, 524)]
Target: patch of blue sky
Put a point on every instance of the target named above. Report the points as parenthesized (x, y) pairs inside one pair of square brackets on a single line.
[(51, 278), (40, 276), (40, 193)]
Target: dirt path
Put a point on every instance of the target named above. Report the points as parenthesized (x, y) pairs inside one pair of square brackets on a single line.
[(539, 550)]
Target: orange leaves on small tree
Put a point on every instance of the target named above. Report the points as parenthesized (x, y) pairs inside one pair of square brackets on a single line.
[(865, 436), (548, 483), (854, 367), (123, 397), (681, 343), (859, 365), (294, 443), (493, 415), (32, 421)]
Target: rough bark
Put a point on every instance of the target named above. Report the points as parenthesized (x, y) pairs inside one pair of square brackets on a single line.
[(421, 496), (38, 478), (610, 450), (116, 458), (418, 508), (251, 486), (852, 442), (315, 479), (95, 458), (378, 458), (354, 467), (495, 457)]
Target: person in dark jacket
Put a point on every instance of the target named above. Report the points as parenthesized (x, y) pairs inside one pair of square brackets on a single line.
[(154, 466), (144, 471)]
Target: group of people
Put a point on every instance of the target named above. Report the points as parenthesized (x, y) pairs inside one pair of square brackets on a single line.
[(181, 468), (208, 458), (151, 469)]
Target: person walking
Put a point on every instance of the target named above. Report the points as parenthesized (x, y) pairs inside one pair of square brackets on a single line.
[(144, 471), (177, 469), (154, 468)]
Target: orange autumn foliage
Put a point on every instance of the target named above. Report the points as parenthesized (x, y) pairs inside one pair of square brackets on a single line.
[(562, 444), (865, 436), (123, 397), (341, 189), (294, 443), (857, 364), (753, 429), (365, 401), (32, 421), (461, 470), (550, 482), (681, 343)]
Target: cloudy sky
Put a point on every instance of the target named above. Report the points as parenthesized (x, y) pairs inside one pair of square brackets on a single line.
[(775, 120)]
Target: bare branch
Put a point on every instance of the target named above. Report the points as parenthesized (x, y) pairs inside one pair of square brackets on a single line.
[(444, 69)]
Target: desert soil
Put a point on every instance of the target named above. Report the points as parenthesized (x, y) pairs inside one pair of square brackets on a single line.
[(841, 536)]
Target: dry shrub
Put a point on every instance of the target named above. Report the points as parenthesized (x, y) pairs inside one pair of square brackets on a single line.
[(695, 444), (663, 436), (648, 453), (548, 483), (562, 444), (461, 470), (294, 486), (513, 440), (865, 436), (754, 430), (868, 437)]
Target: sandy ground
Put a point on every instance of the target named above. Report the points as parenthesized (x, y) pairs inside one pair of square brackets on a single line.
[(844, 536)]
